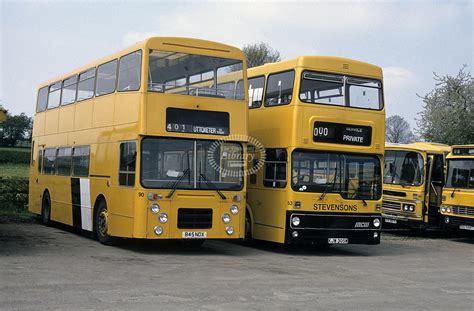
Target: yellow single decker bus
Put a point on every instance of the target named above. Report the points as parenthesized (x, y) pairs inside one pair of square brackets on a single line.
[(322, 123), (146, 143), (413, 184), (457, 208)]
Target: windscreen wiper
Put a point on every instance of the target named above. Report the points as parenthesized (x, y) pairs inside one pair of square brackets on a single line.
[(332, 184), (452, 193), (213, 186), (177, 182)]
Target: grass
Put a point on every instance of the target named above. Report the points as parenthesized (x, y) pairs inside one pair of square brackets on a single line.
[(13, 170)]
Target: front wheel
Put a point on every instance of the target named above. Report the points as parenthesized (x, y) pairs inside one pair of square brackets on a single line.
[(46, 209), (101, 226), (248, 230)]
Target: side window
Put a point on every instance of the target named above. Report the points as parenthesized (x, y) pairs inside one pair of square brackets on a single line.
[(275, 168), (42, 99), (128, 159), (130, 72), (49, 161), (54, 95), (40, 161), (80, 161), (256, 91), (64, 161), (239, 90), (106, 78), (68, 93), (85, 87), (279, 88), (437, 174)]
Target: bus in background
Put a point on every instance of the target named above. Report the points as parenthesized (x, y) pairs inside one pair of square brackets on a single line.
[(146, 143), (413, 183), (457, 208), (322, 123)]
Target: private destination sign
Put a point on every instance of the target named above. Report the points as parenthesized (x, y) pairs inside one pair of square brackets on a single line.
[(346, 134)]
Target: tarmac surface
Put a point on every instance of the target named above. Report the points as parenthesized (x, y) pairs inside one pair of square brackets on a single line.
[(56, 269)]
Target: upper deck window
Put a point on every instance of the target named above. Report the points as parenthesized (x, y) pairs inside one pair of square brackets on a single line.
[(68, 95), (279, 88), (85, 88), (54, 95), (195, 75), (106, 77), (130, 72), (256, 85), (42, 99), (329, 89)]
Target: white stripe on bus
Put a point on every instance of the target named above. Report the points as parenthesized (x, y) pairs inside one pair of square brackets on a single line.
[(86, 210)]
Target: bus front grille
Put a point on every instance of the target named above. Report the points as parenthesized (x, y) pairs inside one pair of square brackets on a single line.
[(194, 218), (391, 205), (463, 210)]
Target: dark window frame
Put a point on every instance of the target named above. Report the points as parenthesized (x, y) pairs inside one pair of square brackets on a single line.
[(127, 173), (274, 182), (56, 169)]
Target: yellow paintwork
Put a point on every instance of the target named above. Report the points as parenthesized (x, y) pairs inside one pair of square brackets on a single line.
[(103, 122), (290, 126), (458, 197), (414, 194), (3, 115)]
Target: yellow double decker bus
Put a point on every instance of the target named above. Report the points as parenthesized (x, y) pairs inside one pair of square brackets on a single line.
[(457, 208), (413, 183), (322, 123), (3, 114), (145, 143)]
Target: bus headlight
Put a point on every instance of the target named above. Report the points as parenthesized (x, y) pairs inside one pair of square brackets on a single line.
[(236, 198), (155, 208), (229, 230), (297, 204), (376, 223), (412, 208), (226, 218), (234, 209), (295, 221), (163, 218), (158, 230), (448, 209), (443, 209)]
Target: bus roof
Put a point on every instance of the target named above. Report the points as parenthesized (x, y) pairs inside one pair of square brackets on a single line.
[(469, 154), (190, 45), (321, 63), (419, 146)]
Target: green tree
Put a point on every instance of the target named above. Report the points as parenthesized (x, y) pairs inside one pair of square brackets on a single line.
[(448, 111), (15, 129), (398, 130), (258, 54)]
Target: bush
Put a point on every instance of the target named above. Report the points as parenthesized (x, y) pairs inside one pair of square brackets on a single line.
[(13, 193), (14, 156)]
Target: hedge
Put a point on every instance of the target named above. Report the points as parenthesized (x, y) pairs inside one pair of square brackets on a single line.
[(14, 156), (13, 193)]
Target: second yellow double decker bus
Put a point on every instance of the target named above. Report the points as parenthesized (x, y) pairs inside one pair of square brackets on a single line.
[(457, 208), (145, 143), (322, 123)]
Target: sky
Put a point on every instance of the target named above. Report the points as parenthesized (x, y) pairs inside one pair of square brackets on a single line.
[(409, 39)]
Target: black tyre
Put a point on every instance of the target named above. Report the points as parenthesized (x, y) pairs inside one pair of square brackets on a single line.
[(101, 224), (46, 209), (248, 230)]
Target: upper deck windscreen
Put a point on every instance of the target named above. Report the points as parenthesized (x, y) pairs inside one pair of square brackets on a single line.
[(339, 90), (195, 75)]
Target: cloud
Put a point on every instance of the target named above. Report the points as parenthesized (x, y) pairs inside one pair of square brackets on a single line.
[(398, 76)]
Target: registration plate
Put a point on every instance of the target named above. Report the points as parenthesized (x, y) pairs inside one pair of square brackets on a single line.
[(338, 241), (391, 221), (194, 235), (466, 227)]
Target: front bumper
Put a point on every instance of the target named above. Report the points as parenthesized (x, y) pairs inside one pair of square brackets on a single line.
[(320, 228), (400, 221), (456, 222)]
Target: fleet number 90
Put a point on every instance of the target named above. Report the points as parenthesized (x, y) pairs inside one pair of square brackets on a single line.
[(321, 131)]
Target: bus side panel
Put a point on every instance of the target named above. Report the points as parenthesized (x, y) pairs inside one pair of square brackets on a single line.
[(66, 118), (61, 206), (103, 110), (34, 202), (127, 108), (83, 115), (51, 123)]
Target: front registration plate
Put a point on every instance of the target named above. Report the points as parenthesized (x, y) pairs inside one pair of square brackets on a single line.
[(338, 241), (466, 227), (391, 221), (194, 235)]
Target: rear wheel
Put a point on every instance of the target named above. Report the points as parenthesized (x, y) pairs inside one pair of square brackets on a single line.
[(248, 229), (101, 224), (46, 209)]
